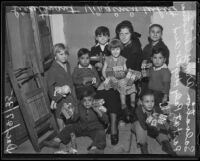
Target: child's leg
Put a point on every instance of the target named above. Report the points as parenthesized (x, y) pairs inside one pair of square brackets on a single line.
[(163, 139), (64, 134), (98, 137), (141, 137), (123, 101), (60, 123), (133, 97)]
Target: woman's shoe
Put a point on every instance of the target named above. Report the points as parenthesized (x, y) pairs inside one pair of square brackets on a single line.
[(114, 139), (144, 148)]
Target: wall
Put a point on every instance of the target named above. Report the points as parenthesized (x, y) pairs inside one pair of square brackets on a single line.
[(79, 29)]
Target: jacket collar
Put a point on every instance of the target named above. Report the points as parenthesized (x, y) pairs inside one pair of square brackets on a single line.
[(159, 68), (89, 66)]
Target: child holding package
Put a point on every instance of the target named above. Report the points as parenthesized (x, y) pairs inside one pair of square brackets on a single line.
[(84, 75), (159, 77), (155, 42), (115, 73), (89, 121), (100, 50), (60, 84), (142, 126)]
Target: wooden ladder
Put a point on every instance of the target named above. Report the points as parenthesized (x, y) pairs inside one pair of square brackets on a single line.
[(34, 105)]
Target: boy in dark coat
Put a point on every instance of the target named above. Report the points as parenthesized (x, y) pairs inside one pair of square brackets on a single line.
[(59, 76), (100, 50), (89, 121)]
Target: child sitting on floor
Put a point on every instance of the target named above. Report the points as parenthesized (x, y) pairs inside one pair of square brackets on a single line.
[(142, 126), (89, 121)]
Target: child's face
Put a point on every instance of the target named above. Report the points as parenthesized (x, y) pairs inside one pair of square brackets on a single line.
[(115, 52), (125, 35), (102, 39), (148, 102), (158, 60), (61, 56), (155, 33), (87, 102), (84, 60)]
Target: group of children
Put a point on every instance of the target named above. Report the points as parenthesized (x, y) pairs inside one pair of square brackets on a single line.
[(103, 68)]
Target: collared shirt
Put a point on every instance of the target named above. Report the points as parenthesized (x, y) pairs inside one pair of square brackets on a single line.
[(159, 68), (102, 46), (89, 66)]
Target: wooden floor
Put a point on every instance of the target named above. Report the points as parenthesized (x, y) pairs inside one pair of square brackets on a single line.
[(83, 142)]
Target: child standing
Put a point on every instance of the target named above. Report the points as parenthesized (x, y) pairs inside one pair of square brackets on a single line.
[(155, 42), (142, 129), (59, 82), (159, 77), (89, 121), (115, 70), (100, 50), (84, 75)]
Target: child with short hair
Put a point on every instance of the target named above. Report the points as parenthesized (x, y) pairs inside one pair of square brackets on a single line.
[(159, 77), (84, 75), (155, 42), (142, 129), (100, 50), (89, 121), (114, 71), (59, 82)]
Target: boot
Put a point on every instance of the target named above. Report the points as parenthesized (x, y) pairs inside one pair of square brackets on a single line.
[(144, 148), (166, 147)]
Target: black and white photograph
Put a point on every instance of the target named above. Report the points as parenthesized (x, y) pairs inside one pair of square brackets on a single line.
[(100, 80)]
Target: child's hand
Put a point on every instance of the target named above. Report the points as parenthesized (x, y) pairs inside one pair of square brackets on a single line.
[(53, 105), (99, 65), (94, 80), (98, 111), (148, 65)]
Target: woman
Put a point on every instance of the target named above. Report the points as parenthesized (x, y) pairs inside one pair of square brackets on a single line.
[(132, 51)]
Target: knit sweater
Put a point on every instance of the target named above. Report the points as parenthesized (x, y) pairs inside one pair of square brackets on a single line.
[(159, 80), (80, 73)]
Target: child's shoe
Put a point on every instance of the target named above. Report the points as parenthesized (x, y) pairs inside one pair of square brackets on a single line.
[(95, 150), (166, 147)]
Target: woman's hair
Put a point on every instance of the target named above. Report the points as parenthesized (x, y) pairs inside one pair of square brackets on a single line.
[(126, 24), (156, 25), (60, 47), (114, 43), (83, 51), (134, 35), (158, 50)]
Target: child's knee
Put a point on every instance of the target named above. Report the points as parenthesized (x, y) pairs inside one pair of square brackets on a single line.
[(141, 134), (162, 137)]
